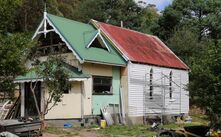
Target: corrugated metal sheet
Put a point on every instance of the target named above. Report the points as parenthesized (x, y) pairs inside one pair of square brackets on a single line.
[(78, 35), (142, 48)]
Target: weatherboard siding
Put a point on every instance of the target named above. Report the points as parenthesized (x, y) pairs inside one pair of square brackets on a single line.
[(136, 88)]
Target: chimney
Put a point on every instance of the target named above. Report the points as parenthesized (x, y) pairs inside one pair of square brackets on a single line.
[(121, 24)]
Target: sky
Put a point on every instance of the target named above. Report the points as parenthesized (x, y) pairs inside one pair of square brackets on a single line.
[(160, 4)]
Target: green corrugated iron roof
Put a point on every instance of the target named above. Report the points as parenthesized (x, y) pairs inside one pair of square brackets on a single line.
[(79, 35), (72, 72)]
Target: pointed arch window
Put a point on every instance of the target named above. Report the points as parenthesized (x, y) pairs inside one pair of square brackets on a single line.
[(170, 84), (151, 83)]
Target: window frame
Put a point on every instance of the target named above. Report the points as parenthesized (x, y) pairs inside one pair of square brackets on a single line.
[(100, 93)]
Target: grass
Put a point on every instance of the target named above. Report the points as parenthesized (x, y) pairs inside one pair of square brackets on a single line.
[(136, 130), (59, 131), (119, 130)]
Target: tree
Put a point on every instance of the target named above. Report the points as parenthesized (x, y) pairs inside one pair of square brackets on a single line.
[(55, 78), (148, 17), (185, 44), (205, 86), (30, 13), (8, 9), (167, 23), (200, 15), (115, 11), (13, 53)]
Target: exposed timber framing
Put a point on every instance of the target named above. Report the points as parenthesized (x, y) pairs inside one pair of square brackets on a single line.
[(45, 31)]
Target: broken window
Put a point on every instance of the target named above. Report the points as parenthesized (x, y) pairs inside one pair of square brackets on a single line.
[(102, 85), (51, 45), (67, 89), (151, 83)]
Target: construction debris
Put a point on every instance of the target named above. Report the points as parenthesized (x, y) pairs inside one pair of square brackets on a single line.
[(107, 116), (20, 128), (7, 134), (5, 109)]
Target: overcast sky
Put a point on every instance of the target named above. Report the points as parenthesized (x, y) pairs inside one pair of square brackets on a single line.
[(161, 4)]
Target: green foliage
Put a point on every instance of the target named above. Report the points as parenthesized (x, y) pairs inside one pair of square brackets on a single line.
[(55, 78), (200, 15), (13, 49), (8, 9), (25, 15), (148, 17), (30, 12), (205, 86), (115, 11), (184, 42), (167, 23)]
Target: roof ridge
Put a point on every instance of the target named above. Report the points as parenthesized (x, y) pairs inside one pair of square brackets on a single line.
[(69, 19), (127, 29)]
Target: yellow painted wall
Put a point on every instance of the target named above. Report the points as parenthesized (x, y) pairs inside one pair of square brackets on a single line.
[(97, 69), (70, 106)]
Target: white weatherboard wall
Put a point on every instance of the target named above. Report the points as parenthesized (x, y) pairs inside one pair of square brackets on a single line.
[(136, 87)]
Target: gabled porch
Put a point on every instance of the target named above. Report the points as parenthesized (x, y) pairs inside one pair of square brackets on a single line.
[(72, 102)]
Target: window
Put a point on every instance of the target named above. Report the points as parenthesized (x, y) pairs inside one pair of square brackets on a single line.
[(151, 83), (102, 85), (67, 89), (170, 84), (98, 44)]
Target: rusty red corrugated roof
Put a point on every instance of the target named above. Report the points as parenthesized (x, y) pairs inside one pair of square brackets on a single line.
[(140, 47)]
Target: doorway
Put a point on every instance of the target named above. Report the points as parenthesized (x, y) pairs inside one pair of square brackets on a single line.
[(30, 108)]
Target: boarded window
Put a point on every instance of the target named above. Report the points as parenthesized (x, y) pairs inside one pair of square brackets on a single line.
[(102, 85)]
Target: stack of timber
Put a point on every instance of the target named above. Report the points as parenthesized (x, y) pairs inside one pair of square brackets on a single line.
[(14, 111), (10, 110), (20, 128)]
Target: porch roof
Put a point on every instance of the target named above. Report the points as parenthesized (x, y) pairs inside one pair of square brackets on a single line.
[(74, 75)]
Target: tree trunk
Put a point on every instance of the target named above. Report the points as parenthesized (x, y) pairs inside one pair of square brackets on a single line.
[(41, 115), (43, 125)]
